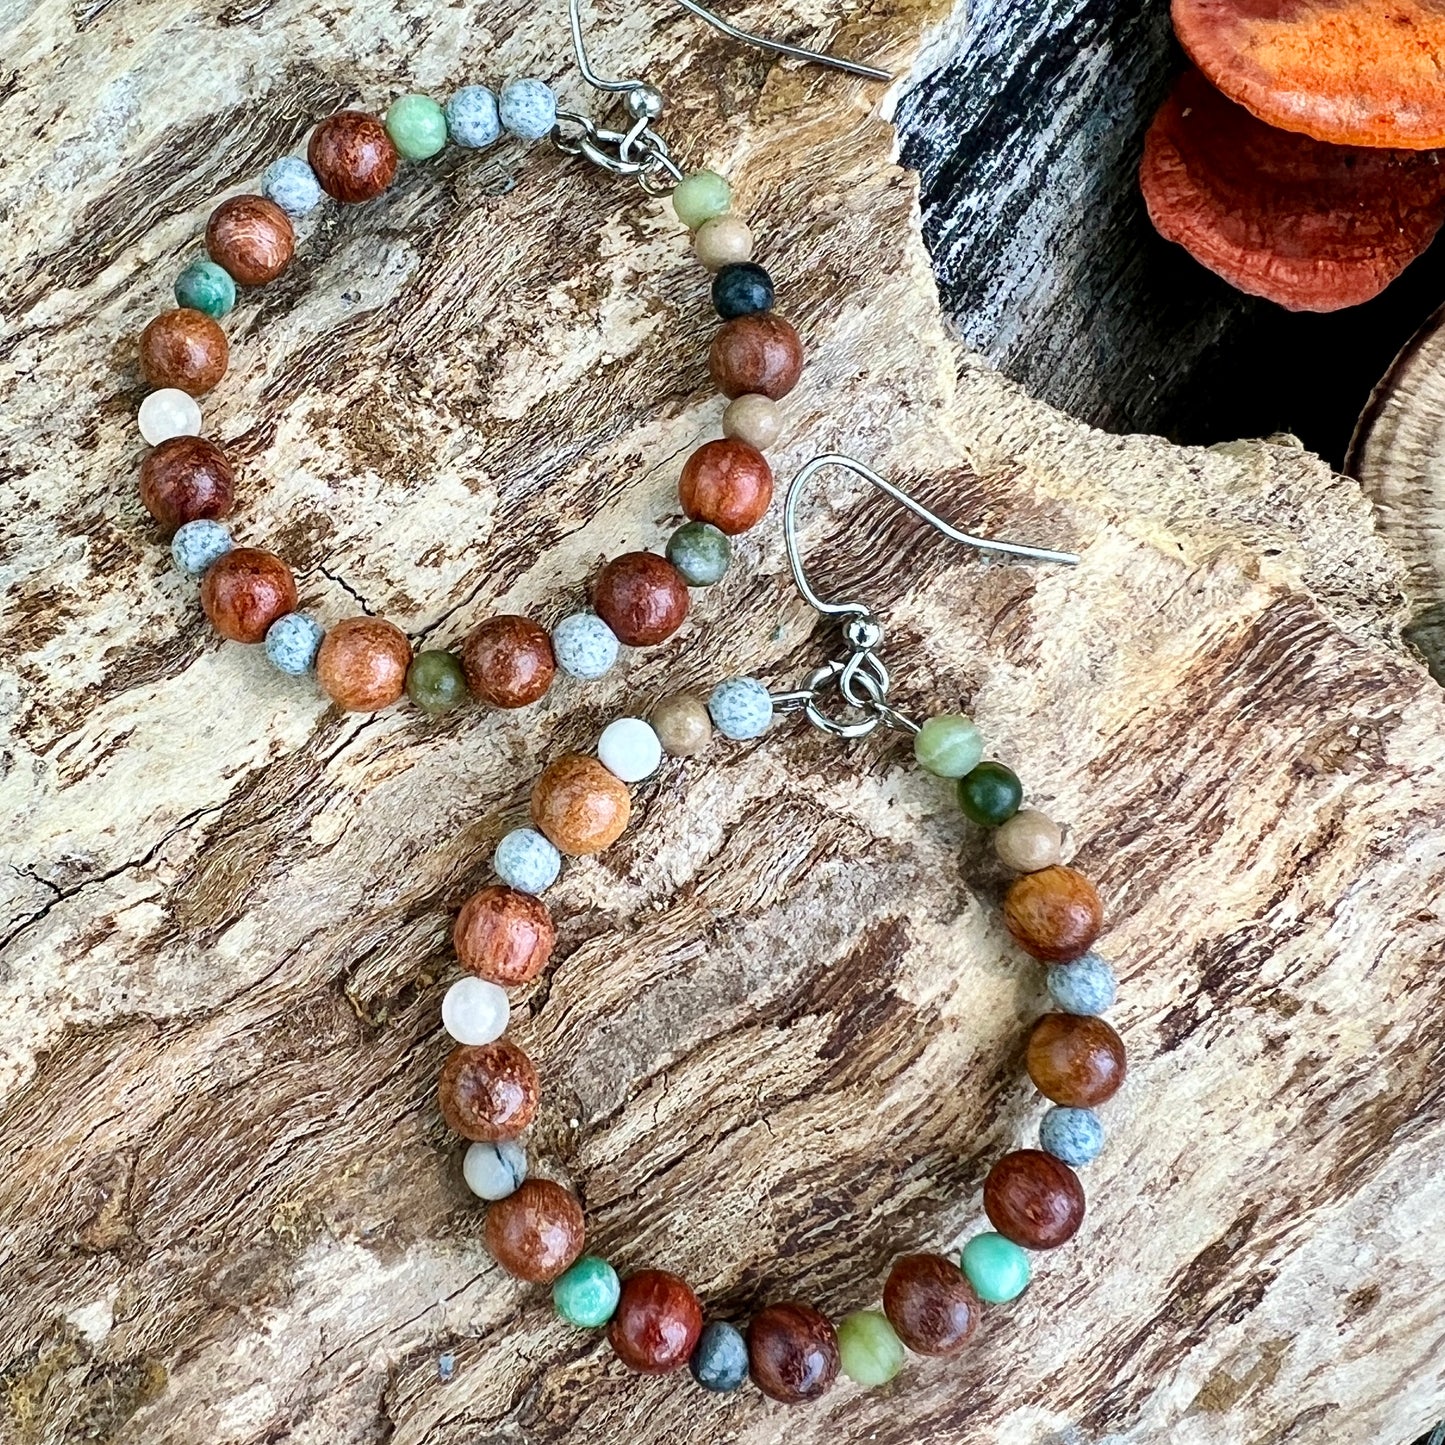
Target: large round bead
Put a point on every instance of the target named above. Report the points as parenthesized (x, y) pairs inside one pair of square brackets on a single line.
[(930, 1304), (759, 354), (1034, 1199), (1075, 1059), (1054, 914), (352, 155), (362, 663), (642, 597), (509, 661), (792, 1352), (251, 238), (656, 1323), (245, 591), (186, 478), (727, 483), (536, 1232), (504, 936), (185, 349), (579, 805), (488, 1092)]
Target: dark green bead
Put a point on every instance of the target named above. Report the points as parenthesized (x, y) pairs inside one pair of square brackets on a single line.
[(204, 286), (990, 794), (435, 681), (700, 552)]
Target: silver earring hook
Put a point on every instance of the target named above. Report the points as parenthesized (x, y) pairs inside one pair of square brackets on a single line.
[(779, 47)]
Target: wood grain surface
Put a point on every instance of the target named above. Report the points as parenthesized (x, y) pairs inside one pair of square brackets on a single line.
[(782, 1036)]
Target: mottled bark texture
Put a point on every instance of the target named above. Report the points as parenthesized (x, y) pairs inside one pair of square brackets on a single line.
[(781, 1038)]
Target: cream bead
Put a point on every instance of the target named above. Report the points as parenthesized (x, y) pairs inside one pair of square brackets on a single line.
[(168, 413), (494, 1171), (723, 241), (629, 749), (475, 1011), (753, 419), (1028, 842)]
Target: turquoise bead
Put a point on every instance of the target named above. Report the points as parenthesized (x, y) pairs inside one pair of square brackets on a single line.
[(990, 794), (949, 745), (586, 1295), (869, 1350), (996, 1267), (417, 126), (700, 552), (701, 196), (204, 286)]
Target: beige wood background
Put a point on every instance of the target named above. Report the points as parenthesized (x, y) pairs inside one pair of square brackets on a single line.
[(782, 1038)]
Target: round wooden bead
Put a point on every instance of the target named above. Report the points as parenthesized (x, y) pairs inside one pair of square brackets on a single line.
[(682, 724), (504, 936), (1029, 841), (1054, 914), (251, 238), (509, 661), (579, 805), (186, 478), (657, 1322), (363, 662), (759, 353), (792, 1352), (352, 155), (488, 1092), (185, 349), (642, 597), (728, 483), (930, 1304), (536, 1232), (245, 591), (1075, 1059), (1034, 1199)]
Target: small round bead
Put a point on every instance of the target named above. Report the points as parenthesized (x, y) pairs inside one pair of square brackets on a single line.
[(1033, 1199), (657, 1323), (990, 794), (536, 1232), (417, 126), (475, 1011), (756, 420), (245, 591), (869, 1351), (700, 197), (727, 483), (579, 805), (435, 681), (509, 661), (930, 1304), (1074, 1135), (948, 746), (292, 185), (700, 552), (1085, 986), (503, 935), (292, 643), (1075, 1059), (741, 708), (1029, 841), (204, 286), (741, 289), (183, 348), (641, 597), (996, 1267), (526, 861), (585, 646), (363, 663), (184, 479), (352, 156), (251, 238), (196, 545), (682, 724), (720, 1359), (759, 354), (792, 1352), (493, 1170), (586, 1294), (629, 749), (528, 109), (723, 241), (472, 119), (1054, 914), (169, 412), (488, 1091)]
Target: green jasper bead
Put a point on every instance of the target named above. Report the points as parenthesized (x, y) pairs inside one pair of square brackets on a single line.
[(990, 794), (996, 1267), (206, 287), (869, 1351), (948, 745), (700, 552), (586, 1295), (701, 196), (417, 126), (435, 681)]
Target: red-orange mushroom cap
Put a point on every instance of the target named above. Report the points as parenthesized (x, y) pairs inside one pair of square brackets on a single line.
[(1352, 72), (1311, 226)]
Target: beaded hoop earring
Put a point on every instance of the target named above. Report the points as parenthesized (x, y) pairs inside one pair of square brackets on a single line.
[(489, 1089)]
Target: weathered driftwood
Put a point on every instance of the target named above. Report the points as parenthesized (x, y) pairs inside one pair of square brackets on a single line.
[(782, 1038)]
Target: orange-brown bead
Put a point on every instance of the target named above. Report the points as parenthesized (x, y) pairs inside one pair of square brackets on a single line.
[(727, 483), (1034, 1199), (1075, 1059), (1054, 914), (245, 591), (251, 238), (353, 156), (759, 353), (509, 661), (185, 349), (504, 936), (186, 478), (362, 663), (579, 805), (642, 597), (536, 1232), (488, 1091)]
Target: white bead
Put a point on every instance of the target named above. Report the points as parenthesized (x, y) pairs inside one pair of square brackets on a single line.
[(493, 1171), (168, 413), (475, 1011), (629, 749)]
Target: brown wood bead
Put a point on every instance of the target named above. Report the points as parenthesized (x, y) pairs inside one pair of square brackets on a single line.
[(931, 1306), (657, 1322), (579, 805), (504, 936), (792, 1352), (488, 1091), (353, 156), (759, 353), (536, 1231), (185, 349), (362, 663), (251, 238), (642, 597), (509, 661), (727, 483), (244, 591), (1075, 1059), (1054, 914), (186, 478), (1034, 1199)]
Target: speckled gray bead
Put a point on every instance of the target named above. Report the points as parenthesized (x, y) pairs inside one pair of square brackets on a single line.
[(472, 117), (528, 109), (1074, 1135), (526, 861), (292, 184), (1085, 986), (584, 645), (197, 544), (740, 708), (493, 1171), (292, 643), (720, 1360)]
